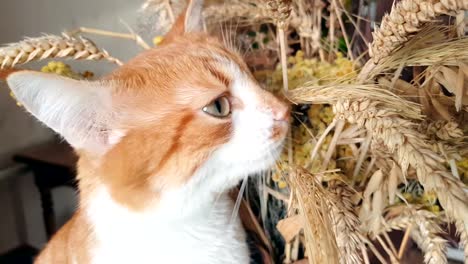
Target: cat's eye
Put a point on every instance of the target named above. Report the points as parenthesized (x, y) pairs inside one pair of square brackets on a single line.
[(221, 107)]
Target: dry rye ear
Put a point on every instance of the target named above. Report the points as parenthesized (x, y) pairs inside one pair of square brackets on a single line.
[(50, 46)]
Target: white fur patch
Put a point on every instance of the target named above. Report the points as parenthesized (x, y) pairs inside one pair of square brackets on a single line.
[(251, 148), (191, 224), (166, 235)]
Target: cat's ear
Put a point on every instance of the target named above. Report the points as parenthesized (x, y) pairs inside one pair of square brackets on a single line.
[(191, 20), (80, 111)]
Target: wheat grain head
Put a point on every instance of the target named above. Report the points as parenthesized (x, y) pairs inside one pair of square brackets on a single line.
[(50, 46), (345, 223), (405, 19), (425, 231)]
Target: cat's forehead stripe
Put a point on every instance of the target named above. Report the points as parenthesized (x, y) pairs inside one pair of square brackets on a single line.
[(222, 77)]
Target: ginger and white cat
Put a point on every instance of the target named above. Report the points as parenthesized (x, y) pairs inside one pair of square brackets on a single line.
[(161, 140)]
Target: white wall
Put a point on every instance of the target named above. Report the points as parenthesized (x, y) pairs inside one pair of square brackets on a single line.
[(20, 18)]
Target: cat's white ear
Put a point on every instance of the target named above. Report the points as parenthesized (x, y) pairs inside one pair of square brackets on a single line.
[(194, 16), (80, 111)]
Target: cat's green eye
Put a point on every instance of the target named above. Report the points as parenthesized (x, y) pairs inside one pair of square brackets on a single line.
[(221, 107)]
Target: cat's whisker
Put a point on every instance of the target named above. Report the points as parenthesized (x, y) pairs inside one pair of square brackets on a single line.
[(235, 211)]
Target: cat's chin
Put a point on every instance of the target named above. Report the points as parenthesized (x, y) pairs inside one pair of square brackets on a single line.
[(268, 160), (221, 173), (265, 162)]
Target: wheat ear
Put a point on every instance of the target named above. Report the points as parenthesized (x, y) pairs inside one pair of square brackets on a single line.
[(345, 224), (425, 232), (280, 10), (259, 12), (243, 12), (406, 18), (408, 147), (313, 202), (401, 138), (50, 46)]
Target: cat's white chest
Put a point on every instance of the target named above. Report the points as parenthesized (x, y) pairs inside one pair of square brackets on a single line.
[(128, 237)]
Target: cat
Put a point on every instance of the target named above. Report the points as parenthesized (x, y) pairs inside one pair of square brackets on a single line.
[(161, 140)]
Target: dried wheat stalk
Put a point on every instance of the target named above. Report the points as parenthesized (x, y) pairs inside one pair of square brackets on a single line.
[(326, 94), (444, 130), (132, 36), (159, 6), (280, 11), (51, 46), (406, 18), (430, 46), (345, 224), (373, 204), (388, 121), (258, 12), (425, 233), (313, 201), (409, 149), (238, 11)]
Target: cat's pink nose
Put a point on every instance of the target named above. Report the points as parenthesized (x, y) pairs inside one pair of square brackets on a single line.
[(281, 111)]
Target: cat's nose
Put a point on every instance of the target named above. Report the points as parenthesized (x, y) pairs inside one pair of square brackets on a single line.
[(274, 106), (281, 111)]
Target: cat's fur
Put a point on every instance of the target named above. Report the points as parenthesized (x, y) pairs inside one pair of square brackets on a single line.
[(154, 168)]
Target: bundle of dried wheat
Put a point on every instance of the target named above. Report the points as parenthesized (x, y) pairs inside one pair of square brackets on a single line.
[(377, 137), (392, 141)]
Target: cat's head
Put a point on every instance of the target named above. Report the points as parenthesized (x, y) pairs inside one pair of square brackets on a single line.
[(187, 112)]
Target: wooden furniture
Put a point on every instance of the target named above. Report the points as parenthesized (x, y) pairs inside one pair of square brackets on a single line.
[(53, 165)]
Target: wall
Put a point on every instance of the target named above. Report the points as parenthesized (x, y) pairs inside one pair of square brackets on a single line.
[(20, 18)]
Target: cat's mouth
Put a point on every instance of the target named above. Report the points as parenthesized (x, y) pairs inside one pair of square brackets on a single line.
[(279, 130)]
